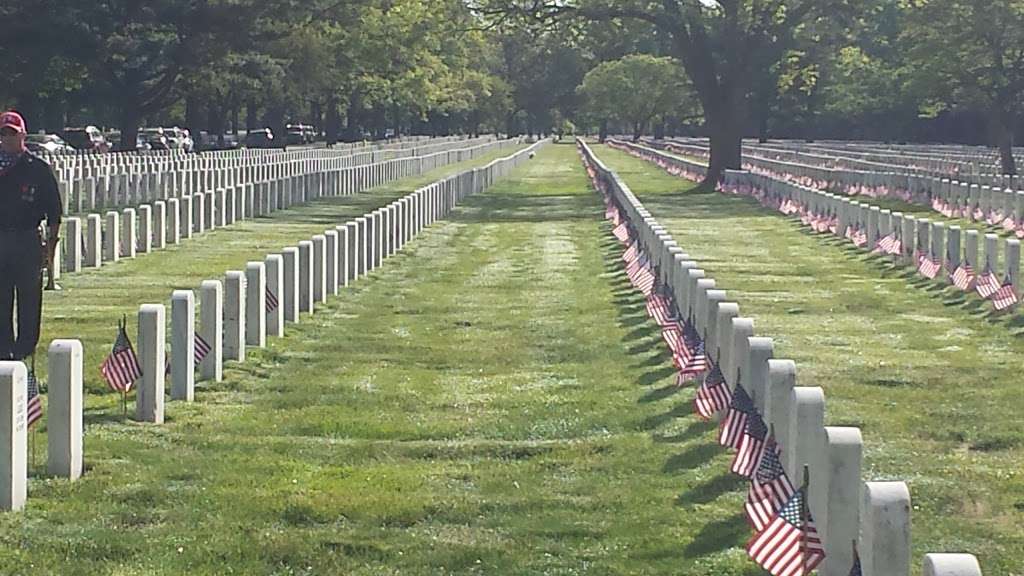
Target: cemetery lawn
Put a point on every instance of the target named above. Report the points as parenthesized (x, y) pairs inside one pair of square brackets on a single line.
[(932, 378), (493, 400)]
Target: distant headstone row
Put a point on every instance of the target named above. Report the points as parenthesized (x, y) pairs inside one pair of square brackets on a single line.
[(240, 194), (237, 311), (89, 183), (876, 515), (939, 251)]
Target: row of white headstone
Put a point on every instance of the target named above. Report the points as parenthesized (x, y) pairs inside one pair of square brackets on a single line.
[(983, 167), (113, 181), (948, 245), (233, 315), (89, 242), (845, 508), (849, 176)]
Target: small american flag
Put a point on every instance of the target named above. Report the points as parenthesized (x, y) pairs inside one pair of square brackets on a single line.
[(963, 276), (860, 238), (788, 546), (272, 302), (645, 281), (121, 368), (751, 446), (987, 284), (660, 309), (673, 335), (928, 267), (713, 395), (35, 402), (741, 407), (1005, 297), (885, 244), (631, 253), (769, 489), (621, 232), (202, 348), (698, 361), (978, 213)]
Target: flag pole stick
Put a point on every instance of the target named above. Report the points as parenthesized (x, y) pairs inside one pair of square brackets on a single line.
[(804, 515)]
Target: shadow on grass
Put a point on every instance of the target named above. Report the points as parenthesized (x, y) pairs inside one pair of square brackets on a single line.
[(695, 429), (693, 457), (710, 490), (719, 535), (658, 420), (496, 207), (652, 376), (663, 393)]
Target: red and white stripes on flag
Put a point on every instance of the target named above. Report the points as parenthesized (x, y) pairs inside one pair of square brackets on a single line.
[(202, 348), (789, 545), (1005, 297), (963, 277), (621, 232), (121, 368), (741, 407), (928, 267), (272, 302), (660, 309), (987, 284), (34, 404), (886, 244), (712, 395), (769, 488), (751, 445)]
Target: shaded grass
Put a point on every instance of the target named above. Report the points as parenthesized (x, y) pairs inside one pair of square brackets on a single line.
[(471, 408), (933, 382)]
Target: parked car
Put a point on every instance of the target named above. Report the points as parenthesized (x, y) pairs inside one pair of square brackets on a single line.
[(46, 144), (179, 138), (89, 138), (261, 138), (296, 134)]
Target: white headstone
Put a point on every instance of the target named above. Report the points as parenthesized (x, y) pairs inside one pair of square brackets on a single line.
[(13, 435), (64, 408), (211, 328), (274, 265), (951, 565), (183, 333), (256, 304), (149, 399), (234, 316)]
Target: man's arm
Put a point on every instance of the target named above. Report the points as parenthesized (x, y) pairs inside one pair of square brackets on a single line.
[(54, 208)]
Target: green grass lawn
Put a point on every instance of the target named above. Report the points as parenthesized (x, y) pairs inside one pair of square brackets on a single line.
[(931, 378), (493, 400)]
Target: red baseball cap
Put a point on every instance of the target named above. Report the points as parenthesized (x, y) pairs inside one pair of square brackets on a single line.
[(12, 119)]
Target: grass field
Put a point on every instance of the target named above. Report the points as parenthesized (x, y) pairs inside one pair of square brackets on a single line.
[(493, 400), (932, 379)]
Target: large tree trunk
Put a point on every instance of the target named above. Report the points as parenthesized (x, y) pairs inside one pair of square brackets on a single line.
[(726, 142), (130, 120), (1003, 126), (602, 134)]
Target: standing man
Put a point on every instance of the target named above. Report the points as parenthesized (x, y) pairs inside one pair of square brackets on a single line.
[(28, 195)]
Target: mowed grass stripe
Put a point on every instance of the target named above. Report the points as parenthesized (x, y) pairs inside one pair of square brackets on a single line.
[(932, 382), (493, 400)]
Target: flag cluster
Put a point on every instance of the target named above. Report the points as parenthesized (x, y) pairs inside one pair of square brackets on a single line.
[(786, 541)]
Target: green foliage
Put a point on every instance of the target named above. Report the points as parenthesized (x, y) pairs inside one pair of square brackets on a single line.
[(635, 90)]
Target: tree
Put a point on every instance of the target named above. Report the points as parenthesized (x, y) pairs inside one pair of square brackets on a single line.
[(966, 54), (610, 90), (718, 42)]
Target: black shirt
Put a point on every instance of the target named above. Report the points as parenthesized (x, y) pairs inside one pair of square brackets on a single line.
[(29, 194)]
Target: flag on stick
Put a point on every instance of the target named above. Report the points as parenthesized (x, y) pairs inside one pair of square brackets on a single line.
[(34, 406), (1005, 297), (789, 545), (987, 284), (963, 276), (751, 446), (121, 368), (712, 395), (741, 407), (770, 487)]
